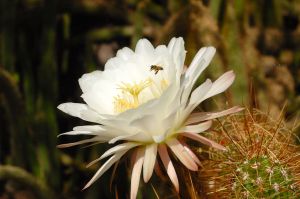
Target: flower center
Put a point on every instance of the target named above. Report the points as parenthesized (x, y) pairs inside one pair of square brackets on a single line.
[(130, 96)]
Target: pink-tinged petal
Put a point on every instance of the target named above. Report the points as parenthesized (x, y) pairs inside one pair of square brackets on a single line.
[(202, 116), (149, 161), (221, 84), (121, 147), (104, 168), (197, 128), (157, 169), (203, 140), (94, 139), (165, 158), (182, 154), (218, 86), (191, 153), (114, 150), (136, 173)]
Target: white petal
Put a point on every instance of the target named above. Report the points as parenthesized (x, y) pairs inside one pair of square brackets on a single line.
[(176, 48), (92, 128), (197, 128), (203, 140), (200, 62), (87, 81), (158, 131), (86, 130), (104, 168), (125, 53), (199, 93), (94, 139), (121, 147), (202, 116), (72, 109), (149, 161), (172, 43), (78, 133), (221, 84), (99, 100), (80, 110), (136, 173), (144, 47), (165, 158), (136, 137), (182, 154), (114, 150)]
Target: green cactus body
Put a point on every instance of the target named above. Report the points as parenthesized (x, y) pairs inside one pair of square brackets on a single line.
[(262, 177)]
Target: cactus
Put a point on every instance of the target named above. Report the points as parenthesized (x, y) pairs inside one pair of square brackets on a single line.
[(261, 162)]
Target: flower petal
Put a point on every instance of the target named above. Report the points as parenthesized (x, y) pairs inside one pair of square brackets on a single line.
[(149, 161), (218, 86), (94, 139), (199, 63), (202, 116), (165, 158), (78, 133), (105, 167), (197, 128), (176, 49), (86, 130), (182, 154), (92, 128), (80, 110), (144, 47), (199, 93), (87, 81), (203, 140), (121, 147), (221, 84), (114, 150), (136, 137), (125, 53), (191, 153), (136, 173)]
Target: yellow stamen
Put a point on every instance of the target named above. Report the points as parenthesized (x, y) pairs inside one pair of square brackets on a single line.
[(164, 84), (130, 95)]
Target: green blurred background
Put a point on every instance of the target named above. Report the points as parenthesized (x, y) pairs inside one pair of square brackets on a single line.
[(46, 45)]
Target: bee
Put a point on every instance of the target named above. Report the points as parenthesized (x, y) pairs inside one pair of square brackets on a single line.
[(155, 68)]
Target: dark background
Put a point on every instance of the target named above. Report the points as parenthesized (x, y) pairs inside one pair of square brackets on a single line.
[(46, 45)]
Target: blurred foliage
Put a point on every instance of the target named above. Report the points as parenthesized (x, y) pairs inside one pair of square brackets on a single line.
[(46, 45)]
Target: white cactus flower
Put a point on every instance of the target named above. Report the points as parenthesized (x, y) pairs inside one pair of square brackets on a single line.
[(143, 101)]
